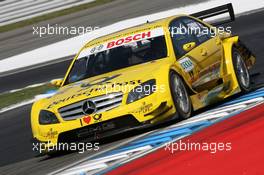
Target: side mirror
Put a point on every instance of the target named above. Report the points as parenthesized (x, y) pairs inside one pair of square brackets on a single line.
[(189, 46), (57, 82)]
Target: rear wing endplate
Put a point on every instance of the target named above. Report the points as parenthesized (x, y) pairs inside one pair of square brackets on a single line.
[(227, 8)]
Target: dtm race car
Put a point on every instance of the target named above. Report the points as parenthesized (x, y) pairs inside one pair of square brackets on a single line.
[(142, 76)]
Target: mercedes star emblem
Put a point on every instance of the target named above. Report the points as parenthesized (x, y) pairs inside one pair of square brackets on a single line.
[(89, 107)]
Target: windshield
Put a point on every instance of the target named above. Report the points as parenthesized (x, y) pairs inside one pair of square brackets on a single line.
[(118, 57)]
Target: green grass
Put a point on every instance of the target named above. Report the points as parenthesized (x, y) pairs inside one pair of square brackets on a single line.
[(7, 99), (52, 15)]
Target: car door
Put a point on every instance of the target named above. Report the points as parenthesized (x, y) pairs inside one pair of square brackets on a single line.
[(198, 51)]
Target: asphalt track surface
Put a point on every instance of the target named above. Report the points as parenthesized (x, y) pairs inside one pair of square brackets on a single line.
[(16, 149)]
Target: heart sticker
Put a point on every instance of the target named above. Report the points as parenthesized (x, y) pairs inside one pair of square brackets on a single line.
[(87, 119)]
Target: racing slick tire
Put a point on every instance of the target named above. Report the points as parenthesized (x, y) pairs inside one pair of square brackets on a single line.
[(180, 96), (241, 71)]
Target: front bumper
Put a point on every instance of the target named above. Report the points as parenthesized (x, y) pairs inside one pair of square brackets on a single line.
[(137, 115)]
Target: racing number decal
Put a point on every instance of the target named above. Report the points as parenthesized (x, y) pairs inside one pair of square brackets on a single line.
[(186, 64)]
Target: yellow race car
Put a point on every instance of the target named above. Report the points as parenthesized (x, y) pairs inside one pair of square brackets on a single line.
[(142, 76)]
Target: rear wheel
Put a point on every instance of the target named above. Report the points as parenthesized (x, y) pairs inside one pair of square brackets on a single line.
[(241, 71), (180, 96)]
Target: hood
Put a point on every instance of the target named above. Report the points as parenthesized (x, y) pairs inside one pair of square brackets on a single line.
[(122, 80)]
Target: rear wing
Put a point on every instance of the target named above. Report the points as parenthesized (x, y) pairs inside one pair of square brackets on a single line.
[(227, 8)]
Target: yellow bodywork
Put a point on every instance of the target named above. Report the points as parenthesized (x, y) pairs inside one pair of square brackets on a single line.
[(153, 108)]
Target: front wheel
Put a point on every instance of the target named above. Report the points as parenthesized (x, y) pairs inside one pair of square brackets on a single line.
[(241, 71), (180, 96)]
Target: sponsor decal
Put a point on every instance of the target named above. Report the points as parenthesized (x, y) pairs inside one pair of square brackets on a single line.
[(93, 130), (145, 108), (211, 69), (192, 75), (87, 90), (68, 98), (97, 118), (139, 36), (87, 119), (51, 134), (121, 41), (208, 74), (99, 81), (97, 48), (187, 64), (66, 88), (110, 85)]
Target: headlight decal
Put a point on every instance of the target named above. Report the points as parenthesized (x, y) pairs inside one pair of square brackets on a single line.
[(141, 91), (47, 117)]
